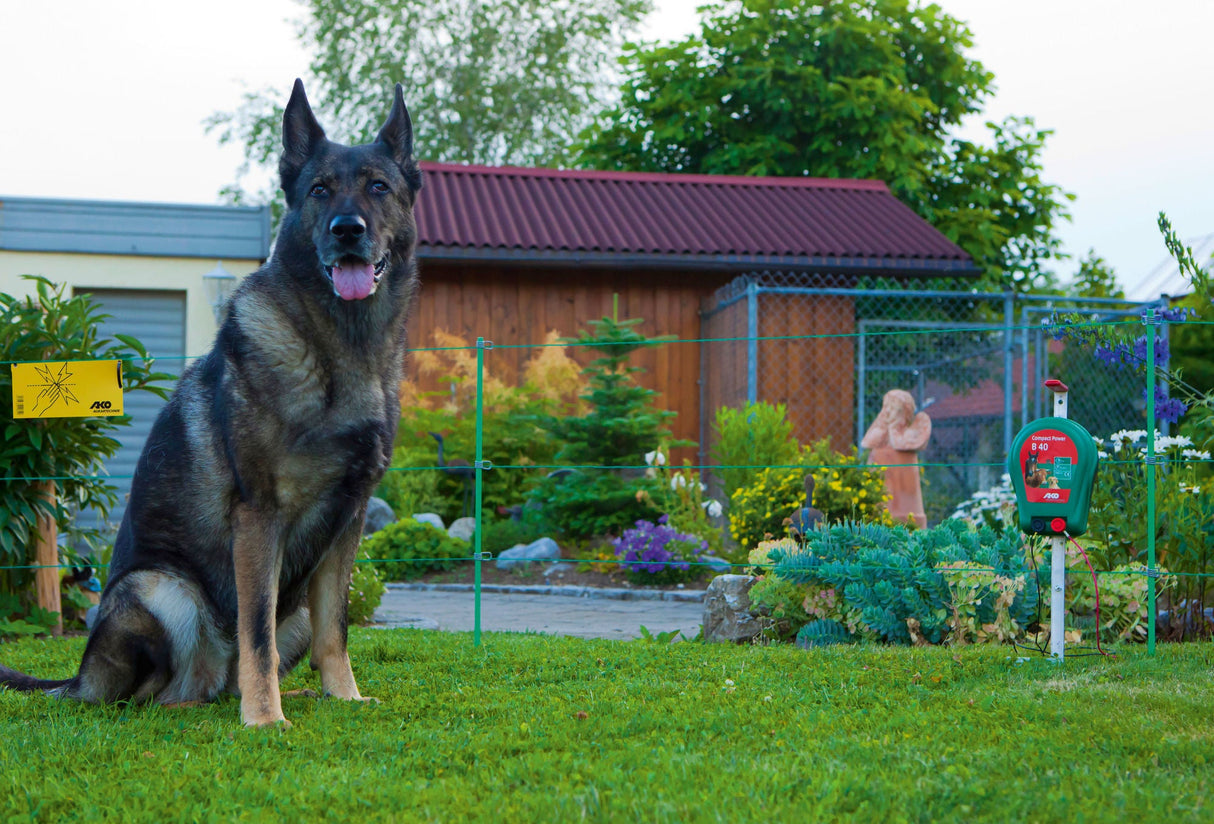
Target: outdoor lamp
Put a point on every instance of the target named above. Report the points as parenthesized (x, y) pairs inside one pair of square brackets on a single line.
[(220, 284)]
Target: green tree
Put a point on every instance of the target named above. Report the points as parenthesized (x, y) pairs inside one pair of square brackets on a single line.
[(487, 82), (862, 89), (1096, 279), (606, 493)]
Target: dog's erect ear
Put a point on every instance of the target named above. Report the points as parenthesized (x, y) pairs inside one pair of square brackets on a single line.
[(300, 133), (397, 133)]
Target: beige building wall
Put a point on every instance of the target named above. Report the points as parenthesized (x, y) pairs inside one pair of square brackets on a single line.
[(92, 271)]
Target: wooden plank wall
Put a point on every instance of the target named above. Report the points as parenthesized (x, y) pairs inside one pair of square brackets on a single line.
[(517, 306), (814, 377)]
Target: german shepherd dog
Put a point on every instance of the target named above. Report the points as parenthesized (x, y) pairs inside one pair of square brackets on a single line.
[(235, 552)]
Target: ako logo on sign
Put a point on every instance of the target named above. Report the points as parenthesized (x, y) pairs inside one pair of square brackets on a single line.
[(67, 389)]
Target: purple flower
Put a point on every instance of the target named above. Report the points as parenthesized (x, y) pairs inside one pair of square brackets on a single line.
[(1166, 408), (654, 547)]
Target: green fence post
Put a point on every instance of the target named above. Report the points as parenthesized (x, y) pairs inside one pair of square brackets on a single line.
[(1151, 571), (481, 346)]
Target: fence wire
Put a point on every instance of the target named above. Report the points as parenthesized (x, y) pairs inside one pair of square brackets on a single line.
[(830, 350)]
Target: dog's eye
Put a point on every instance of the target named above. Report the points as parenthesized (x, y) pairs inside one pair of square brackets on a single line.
[(319, 190), (379, 187)]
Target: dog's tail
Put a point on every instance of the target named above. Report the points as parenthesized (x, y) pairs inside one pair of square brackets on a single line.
[(13, 680)]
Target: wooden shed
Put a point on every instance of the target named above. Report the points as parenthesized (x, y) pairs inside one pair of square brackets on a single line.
[(509, 254)]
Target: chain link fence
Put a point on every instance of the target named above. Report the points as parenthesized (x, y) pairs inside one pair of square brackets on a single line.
[(830, 347)]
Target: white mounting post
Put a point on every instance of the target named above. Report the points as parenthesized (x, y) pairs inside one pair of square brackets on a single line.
[(1058, 552)]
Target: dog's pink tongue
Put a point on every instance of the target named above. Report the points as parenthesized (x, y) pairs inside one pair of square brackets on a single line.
[(353, 281)]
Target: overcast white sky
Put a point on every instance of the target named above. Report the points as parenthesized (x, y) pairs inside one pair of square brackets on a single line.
[(105, 100)]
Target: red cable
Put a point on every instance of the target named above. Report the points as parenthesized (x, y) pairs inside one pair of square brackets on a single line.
[(1096, 587)]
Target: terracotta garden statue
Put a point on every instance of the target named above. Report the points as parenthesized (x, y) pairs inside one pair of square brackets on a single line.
[(895, 439)]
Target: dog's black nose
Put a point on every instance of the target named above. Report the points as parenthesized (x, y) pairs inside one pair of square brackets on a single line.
[(347, 227)]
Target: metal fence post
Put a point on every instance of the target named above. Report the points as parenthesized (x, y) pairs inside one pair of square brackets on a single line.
[(752, 341), (1152, 615), (861, 379), (481, 345), (1009, 343)]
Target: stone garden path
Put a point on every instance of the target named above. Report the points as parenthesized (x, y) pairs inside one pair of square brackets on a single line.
[(584, 612)]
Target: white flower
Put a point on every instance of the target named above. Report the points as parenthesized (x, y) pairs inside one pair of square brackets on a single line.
[(678, 482), (1128, 436), (713, 507), (1165, 442), (1195, 454), (650, 456)]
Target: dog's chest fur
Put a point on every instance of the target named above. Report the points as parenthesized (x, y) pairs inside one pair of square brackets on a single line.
[(325, 399)]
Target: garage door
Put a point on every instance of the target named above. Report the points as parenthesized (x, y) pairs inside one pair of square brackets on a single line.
[(157, 319)]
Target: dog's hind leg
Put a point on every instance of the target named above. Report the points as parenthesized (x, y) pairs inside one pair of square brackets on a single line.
[(328, 601), (128, 655)]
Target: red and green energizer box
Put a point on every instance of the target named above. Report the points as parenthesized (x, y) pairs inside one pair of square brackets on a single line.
[(1053, 469)]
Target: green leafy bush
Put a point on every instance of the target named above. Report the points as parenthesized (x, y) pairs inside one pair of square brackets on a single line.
[(904, 586), (504, 533), (845, 489), (511, 432), (366, 591), (1184, 531), (411, 486), (781, 602), (588, 503), (20, 618), (52, 326), (760, 509), (410, 548), (755, 435)]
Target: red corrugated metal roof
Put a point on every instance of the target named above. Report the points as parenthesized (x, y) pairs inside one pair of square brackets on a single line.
[(508, 209)]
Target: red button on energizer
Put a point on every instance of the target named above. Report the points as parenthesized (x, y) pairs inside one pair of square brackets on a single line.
[(1058, 525)]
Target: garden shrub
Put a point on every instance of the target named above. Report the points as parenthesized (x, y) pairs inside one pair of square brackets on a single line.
[(658, 554), (504, 533), (588, 503), (1123, 599), (893, 583), (756, 435), (845, 489), (1184, 497), (760, 509), (410, 490), (781, 602), (50, 325), (366, 591), (511, 434), (410, 548)]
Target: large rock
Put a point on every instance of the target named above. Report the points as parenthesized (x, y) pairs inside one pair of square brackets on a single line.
[(379, 515), (727, 609), (430, 518), (462, 528), (544, 549)]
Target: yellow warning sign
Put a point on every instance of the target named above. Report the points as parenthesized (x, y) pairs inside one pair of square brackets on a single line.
[(67, 389)]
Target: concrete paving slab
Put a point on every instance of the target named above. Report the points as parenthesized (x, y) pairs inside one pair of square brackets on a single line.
[(583, 617)]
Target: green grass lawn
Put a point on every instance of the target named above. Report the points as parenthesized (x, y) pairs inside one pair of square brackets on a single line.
[(536, 728)]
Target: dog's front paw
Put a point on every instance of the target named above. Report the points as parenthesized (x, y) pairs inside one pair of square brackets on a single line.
[(281, 722)]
